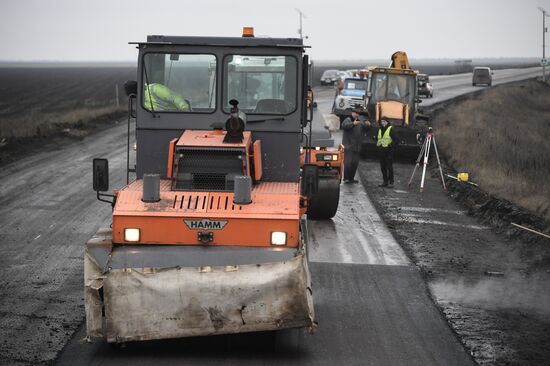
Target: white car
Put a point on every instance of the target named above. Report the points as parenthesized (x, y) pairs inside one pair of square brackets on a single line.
[(425, 88)]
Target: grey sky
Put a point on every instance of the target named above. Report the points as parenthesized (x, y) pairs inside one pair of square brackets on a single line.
[(99, 30)]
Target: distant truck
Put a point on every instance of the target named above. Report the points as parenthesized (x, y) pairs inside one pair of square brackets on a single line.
[(425, 87), (482, 75), (351, 95)]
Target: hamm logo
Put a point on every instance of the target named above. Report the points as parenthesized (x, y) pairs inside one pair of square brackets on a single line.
[(205, 224)]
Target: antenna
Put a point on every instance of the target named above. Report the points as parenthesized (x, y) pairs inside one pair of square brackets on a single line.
[(301, 16)]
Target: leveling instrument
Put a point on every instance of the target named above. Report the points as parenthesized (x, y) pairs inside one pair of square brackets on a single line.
[(423, 157)]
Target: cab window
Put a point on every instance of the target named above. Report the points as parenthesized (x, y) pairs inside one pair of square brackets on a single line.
[(179, 82), (393, 87), (261, 84), (355, 84)]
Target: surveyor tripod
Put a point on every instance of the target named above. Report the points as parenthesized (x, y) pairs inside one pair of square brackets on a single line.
[(423, 157)]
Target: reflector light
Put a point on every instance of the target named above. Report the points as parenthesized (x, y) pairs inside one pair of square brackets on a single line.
[(278, 238), (248, 31), (131, 235), (334, 157)]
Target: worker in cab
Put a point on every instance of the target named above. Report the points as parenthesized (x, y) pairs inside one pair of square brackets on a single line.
[(159, 98), (354, 127), (386, 143)]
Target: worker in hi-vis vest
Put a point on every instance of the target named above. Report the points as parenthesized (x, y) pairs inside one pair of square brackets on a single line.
[(159, 98), (387, 142)]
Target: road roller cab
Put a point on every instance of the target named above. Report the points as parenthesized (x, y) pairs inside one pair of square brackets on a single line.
[(211, 236)]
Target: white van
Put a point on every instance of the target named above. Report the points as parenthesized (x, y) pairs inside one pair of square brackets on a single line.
[(482, 75)]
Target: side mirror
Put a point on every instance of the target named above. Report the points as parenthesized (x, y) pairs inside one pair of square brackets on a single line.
[(101, 175), (130, 87)]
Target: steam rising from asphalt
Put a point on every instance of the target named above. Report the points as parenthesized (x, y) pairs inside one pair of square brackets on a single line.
[(514, 291)]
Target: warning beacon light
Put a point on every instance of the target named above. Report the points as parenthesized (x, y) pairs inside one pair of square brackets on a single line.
[(248, 31)]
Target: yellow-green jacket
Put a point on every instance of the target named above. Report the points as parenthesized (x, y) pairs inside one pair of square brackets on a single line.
[(163, 99)]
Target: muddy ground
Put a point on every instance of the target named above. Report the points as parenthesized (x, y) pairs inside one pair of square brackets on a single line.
[(490, 280), (57, 138)]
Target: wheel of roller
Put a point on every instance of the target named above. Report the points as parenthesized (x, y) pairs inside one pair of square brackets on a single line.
[(324, 204)]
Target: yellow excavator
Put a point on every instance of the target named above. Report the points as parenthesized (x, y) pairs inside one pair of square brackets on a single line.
[(393, 94)]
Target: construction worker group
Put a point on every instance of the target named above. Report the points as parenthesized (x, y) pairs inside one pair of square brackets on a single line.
[(354, 128)]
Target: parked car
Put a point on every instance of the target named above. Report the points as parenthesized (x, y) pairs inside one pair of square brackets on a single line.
[(425, 87), (482, 75), (329, 77)]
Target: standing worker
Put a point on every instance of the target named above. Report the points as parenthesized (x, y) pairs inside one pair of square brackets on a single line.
[(387, 142), (354, 129)]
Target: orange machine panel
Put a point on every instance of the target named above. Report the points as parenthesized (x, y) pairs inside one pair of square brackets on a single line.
[(389, 109), (257, 147), (171, 158), (274, 207), (214, 140), (337, 164), (211, 139), (180, 230)]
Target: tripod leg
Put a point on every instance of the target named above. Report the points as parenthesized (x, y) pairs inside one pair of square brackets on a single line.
[(426, 155), (439, 164), (417, 162)]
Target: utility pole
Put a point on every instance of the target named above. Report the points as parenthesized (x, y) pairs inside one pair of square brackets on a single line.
[(301, 16), (544, 30)]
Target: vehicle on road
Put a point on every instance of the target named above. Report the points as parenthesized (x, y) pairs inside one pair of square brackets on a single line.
[(329, 77), (393, 94), (351, 96), (211, 236), (425, 87), (482, 75)]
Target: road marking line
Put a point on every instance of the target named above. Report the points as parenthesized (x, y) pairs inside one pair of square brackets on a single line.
[(416, 220), (433, 209)]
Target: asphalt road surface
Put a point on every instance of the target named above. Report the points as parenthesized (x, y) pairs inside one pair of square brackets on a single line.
[(449, 86), (371, 303)]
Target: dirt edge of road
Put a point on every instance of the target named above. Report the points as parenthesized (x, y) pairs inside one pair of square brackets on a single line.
[(498, 212), (12, 150), (500, 136)]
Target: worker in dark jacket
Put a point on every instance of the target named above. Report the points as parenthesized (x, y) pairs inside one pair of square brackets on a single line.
[(387, 142), (354, 128)]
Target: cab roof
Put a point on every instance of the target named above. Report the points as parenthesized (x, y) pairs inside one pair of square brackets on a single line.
[(391, 70), (223, 41)]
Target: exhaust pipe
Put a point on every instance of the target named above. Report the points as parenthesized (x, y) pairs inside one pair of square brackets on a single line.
[(242, 190), (151, 188)]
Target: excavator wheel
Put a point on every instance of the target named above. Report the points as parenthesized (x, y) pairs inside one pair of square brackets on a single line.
[(324, 204)]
